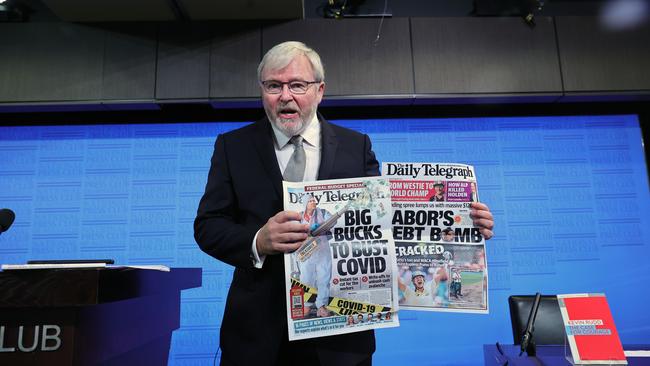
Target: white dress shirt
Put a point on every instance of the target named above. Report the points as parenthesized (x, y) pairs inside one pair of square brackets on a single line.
[(283, 152)]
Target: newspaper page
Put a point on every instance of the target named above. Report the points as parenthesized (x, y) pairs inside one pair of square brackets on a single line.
[(343, 278), (440, 254)]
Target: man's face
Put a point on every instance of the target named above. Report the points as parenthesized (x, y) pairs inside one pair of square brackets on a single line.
[(439, 189), (291, 112), (418, 282), (448, 236), (311, 204)]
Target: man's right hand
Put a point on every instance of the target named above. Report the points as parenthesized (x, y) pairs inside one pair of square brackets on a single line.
[(283, 233)]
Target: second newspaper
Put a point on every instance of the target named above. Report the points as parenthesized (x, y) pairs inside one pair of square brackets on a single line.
[(343, 278), (440, 254)]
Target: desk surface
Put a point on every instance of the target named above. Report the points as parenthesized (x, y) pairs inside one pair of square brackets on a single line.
[(546, 356)]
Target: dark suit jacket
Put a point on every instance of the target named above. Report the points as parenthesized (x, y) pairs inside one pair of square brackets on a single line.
[(243, 191)]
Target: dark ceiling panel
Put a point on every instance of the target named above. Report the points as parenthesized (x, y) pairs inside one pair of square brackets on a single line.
[(356, 63), (249, 9), (595, 58), (183, 70), (129, 61), (484, 55), (111, 10), (51, 62), (236, 51)]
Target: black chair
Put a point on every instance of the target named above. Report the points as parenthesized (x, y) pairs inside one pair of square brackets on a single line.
[(549, 328)]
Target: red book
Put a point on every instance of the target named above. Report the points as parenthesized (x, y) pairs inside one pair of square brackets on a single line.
[(591, 330)]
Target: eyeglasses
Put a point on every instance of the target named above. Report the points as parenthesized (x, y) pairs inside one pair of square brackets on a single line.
[(295, 86)]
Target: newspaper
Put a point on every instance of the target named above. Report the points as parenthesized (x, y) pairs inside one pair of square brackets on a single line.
[(342, 279), (440, 254)]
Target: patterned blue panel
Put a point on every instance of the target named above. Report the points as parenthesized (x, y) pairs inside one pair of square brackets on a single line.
[(568, 194)]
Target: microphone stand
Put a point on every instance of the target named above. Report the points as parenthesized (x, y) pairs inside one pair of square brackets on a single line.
[(527, 342)]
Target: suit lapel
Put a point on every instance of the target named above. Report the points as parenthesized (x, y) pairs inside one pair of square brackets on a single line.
[(263, 137), (329, 143)]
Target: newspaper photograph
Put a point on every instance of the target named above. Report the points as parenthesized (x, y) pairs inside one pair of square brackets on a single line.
[(440, 254), (343, 278)]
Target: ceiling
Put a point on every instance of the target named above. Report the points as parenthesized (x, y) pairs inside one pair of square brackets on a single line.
[(190, 10), (165, 10)]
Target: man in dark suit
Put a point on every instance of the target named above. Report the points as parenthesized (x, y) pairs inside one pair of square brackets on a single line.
[(240, 220)]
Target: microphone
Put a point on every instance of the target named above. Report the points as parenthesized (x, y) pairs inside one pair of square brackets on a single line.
[(527, 343), (6, 219)]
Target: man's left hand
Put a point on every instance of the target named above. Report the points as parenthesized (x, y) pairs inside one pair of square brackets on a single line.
[(483, 219)]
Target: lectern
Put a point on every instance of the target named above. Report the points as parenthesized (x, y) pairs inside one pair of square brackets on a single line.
[(102, 316)]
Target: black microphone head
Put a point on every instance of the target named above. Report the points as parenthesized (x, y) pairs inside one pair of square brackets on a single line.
[(6, 219)]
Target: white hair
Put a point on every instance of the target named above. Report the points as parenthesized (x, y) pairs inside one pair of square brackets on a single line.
[(282, 54)]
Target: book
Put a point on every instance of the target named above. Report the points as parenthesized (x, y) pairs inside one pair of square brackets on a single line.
[(590, 330)]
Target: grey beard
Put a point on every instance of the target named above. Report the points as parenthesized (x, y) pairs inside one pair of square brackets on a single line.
[(293, 130), (290, 129)]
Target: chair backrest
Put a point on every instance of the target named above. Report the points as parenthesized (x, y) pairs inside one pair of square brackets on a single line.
[(549, 328)]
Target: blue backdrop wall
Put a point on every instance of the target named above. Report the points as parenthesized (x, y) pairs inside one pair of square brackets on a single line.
[(570, 196)]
